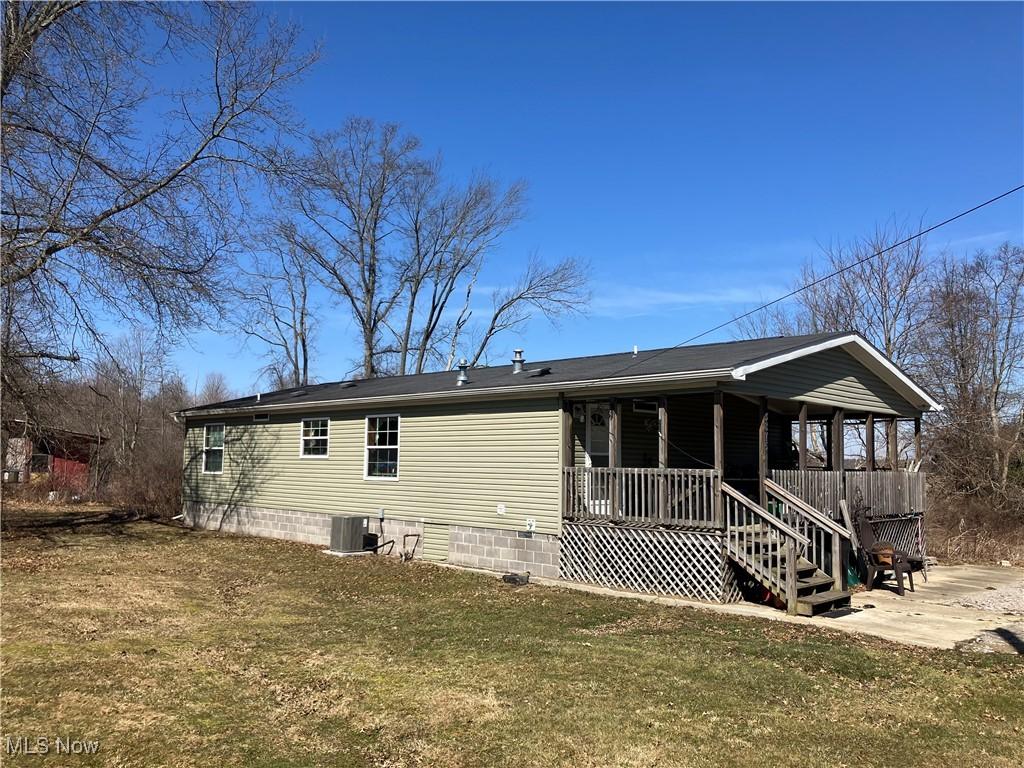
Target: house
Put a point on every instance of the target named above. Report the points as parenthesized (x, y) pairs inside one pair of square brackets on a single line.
[(39, 454), (681, 471)]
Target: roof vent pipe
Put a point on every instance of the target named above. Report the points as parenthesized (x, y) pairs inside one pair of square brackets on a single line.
[(257, 397), (518, 362), (463, 378)]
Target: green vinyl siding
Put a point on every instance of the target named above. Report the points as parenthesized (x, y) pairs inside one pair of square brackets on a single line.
[(832, 377), (691, 422), (457, 463), (639, 437), (435, 542)]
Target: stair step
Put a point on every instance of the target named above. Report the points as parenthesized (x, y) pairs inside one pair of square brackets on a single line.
[(804, 568), (814, 583), (821, 602)]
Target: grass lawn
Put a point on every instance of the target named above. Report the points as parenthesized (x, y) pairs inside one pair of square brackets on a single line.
[(174, 647)]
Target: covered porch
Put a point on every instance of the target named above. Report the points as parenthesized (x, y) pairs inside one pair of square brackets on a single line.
[(663, 459), (692, 492)]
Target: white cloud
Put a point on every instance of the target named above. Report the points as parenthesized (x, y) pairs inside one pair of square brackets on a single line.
[(976, 241), (626, 301)]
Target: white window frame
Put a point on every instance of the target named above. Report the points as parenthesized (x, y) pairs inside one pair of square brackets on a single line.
[(302, 438), (367, 447), (223, 445)]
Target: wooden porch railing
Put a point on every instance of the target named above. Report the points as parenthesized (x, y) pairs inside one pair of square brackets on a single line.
[(763, 545), (825, 536), (683, 497), (888, 493)]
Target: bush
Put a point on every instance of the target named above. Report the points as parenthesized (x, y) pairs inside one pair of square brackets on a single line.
[(969, 530)]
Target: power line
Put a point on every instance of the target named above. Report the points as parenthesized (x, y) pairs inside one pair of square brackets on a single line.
[(820, 280)]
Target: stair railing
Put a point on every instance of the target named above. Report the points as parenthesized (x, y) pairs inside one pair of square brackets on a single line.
[(764, 545), (824, 534)]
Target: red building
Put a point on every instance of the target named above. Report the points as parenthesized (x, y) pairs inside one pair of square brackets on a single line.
[(59, 457)]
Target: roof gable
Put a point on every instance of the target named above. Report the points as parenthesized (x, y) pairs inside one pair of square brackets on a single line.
[(885, 371), (831, 378)]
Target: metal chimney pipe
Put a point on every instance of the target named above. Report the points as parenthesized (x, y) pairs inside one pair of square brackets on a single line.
[(518, 363), (463, 377)]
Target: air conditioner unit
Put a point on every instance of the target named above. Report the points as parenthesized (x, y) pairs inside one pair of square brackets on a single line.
[(347, 533)]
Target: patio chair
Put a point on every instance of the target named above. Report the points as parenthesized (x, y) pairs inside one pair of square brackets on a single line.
[(881, 556)]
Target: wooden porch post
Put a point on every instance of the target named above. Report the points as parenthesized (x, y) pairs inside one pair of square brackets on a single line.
[(891, 444), (762, 450), (838, 452), (614, 442), (719, 442), (803, 437), (569, 496), (828, 446), (917, 439), (662, 433), (568, 443), (869, 442), (614, 432), (663, 458)]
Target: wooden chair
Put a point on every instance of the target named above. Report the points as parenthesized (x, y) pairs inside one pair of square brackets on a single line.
[(881, 556)]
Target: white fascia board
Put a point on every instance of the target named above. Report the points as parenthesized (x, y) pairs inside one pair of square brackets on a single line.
[(466, 393), (882, 365)]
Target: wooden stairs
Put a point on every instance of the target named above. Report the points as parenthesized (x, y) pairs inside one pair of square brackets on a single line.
[(815, 589), (763, 545)]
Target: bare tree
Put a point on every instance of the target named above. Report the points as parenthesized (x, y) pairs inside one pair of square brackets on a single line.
[(277, 310), (880, 296), (395, 241), (126, 401), (215, 389), (346, 219), (102, 222), (447, 233), (551, 291), (974, 352), (123, 382), (865, 286)]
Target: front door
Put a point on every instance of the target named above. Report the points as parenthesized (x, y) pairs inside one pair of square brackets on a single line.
[(597, 456)]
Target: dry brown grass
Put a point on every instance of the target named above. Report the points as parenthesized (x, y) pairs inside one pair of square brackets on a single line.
[(179, 648), (963, 532)]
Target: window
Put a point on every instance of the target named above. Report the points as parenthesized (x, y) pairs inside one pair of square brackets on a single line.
[(382, 447), (315, 437), (261, 418), (213, 448)]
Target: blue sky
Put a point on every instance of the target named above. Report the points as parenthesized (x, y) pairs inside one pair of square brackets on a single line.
[(695, 155)]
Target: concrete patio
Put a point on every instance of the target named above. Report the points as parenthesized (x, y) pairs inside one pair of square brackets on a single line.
[(933, 616)]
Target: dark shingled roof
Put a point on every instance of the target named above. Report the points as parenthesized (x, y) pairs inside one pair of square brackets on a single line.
[(682, 360)]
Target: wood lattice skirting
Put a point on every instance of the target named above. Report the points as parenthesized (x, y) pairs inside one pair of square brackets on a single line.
[(648, 559)]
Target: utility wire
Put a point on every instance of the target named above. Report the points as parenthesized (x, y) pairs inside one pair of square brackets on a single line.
[(820, 280)]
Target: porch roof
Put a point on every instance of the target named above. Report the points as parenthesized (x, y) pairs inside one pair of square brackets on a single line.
[(712, 362)]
